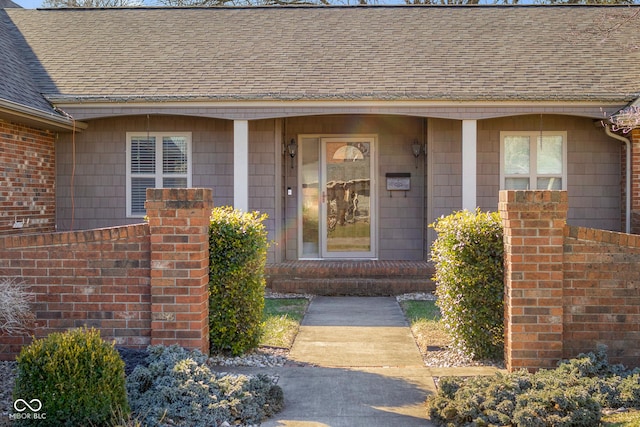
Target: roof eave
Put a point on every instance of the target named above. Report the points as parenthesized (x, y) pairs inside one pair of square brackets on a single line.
[(19, 113), (341, 97)]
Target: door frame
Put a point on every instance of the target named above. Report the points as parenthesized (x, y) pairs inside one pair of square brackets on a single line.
[(373, 140)]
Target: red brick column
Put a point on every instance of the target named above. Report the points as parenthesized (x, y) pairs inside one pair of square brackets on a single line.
[(534, 234), (179, 227), (635, 181)]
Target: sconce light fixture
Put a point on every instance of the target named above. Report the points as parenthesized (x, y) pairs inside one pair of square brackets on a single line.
[(292, 149), (416, 148)]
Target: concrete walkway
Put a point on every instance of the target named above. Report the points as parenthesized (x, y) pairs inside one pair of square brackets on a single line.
[(355, 363)]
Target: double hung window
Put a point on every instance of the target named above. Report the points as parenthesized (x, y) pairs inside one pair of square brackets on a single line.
[(533, 161), (156, 160)]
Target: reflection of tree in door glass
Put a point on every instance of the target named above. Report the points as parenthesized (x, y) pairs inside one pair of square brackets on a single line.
[(348, 168)]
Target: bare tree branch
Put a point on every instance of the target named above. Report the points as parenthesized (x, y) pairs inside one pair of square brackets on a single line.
[(625, 120), (90, 3)]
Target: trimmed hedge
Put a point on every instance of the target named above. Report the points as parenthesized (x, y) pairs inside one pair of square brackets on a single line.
[(78, 378), (571, 395), (237, 254), (468, 255)]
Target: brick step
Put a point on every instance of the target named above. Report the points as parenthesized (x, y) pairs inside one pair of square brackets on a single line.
[(366, 278), (351, 286)]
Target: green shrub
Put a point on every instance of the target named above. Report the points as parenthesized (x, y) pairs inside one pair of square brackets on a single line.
[(557, 407), (477, 401), (571, 395), (468, 256), (177, 388), (612, 386), (78, 377), (238, 252)]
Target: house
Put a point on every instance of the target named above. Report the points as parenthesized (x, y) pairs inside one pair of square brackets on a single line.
[(353, 128)]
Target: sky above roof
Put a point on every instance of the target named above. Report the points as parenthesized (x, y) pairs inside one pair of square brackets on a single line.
[(29, 4)]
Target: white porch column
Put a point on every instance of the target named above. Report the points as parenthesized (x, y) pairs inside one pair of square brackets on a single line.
[(469, 162), (241, 165)]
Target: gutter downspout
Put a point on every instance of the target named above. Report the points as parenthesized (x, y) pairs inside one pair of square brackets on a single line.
[(627, 143)]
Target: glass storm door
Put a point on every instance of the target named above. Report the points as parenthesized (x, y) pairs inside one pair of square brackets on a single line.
[(337, 198), (346, 205)]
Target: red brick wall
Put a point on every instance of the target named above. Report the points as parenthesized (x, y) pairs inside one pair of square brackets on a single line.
[(602, 293), (139, 284), (97, 278), (27, 178), (567, 289)]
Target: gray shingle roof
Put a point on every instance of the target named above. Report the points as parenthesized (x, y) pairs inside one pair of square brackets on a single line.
[(318, 53), (16, 83)]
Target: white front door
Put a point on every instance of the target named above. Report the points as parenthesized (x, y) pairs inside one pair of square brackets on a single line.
[(338, 197)]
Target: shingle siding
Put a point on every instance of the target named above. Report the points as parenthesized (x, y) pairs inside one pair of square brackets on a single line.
[(593, 166), (594, 172), (445, 148), (262, 188), (100, 170), (400, 215)]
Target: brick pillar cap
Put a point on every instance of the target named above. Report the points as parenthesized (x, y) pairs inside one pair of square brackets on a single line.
[(179, 194), (533, 196)]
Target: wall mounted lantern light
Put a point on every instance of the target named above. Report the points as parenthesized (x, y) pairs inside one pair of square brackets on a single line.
[(416, 148), (292, 149)]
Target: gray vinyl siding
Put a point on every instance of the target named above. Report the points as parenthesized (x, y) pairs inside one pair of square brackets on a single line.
[(593, 167), (100, 171), (100, 167), (262, 175), (446, 166), (400, 215), (594, 171), (213, 157), (98, 184)]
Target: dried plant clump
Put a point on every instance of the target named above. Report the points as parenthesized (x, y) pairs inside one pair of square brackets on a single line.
[(16, 316)]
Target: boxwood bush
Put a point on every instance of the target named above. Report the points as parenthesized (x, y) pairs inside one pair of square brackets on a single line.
[(175, 387), (78, 378), (571, 395), (468, 256), (238, 252)]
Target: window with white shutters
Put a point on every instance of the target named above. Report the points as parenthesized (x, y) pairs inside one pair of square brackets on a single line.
[(155, 160)]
